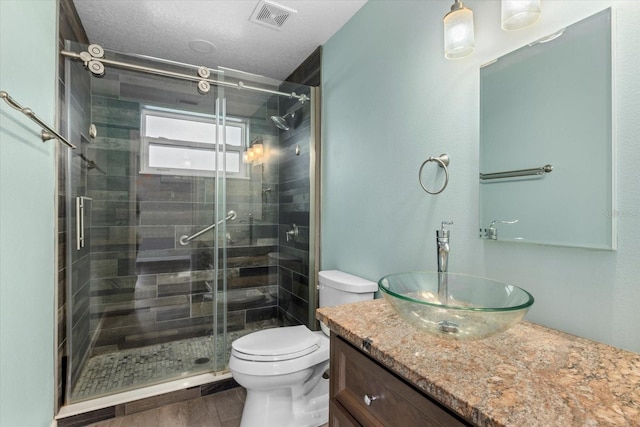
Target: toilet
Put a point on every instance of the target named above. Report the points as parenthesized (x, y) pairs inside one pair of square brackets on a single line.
[(283, 369)]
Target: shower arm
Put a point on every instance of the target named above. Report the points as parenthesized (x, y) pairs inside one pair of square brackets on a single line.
[(184, 240), (96, 63)]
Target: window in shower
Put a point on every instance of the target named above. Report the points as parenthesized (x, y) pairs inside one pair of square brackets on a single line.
[(184, 143)]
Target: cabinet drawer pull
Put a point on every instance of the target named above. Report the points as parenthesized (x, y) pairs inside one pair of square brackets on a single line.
[(368, 399)]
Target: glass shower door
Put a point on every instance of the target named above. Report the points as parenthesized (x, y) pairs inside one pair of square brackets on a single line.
[(155, 292), (142, 307)]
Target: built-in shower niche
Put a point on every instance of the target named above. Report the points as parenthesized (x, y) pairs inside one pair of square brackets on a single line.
[(151, 309)]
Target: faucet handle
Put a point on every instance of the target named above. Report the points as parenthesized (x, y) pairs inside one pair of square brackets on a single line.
[(292, 234), (443, 232), (501, 222), (491, 233)]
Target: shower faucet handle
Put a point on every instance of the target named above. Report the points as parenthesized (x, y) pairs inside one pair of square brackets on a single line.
[(292, 234)]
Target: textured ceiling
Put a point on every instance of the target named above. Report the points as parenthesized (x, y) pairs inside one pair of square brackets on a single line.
[(164, 28)]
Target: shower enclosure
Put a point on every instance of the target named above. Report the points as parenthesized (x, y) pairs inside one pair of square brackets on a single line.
[(188, 217)]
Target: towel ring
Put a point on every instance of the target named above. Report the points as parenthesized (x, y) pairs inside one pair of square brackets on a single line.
[(443, 161)]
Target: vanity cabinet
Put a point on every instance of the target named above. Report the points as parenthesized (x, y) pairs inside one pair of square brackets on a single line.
[(365, 393)]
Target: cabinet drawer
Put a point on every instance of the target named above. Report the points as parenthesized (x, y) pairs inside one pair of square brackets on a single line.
[(338, 417), (389, 400)]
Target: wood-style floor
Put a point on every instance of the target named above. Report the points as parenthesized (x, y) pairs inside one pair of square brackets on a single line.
[(222, 409)]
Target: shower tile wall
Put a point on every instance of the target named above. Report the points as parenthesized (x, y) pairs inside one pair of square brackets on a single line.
[(144, 288), (295, 281), (294, 194)]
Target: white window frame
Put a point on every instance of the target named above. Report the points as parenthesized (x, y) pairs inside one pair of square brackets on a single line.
[(145, 141)]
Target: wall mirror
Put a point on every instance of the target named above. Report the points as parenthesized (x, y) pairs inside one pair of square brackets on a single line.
[(550, 103)]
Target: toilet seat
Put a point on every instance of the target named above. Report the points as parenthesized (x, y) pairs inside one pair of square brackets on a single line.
[(277, 344)]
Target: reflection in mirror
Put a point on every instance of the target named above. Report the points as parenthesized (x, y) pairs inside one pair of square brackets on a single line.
[(546, 145)]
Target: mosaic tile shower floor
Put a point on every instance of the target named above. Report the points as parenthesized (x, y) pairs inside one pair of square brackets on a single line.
[(123, 370)]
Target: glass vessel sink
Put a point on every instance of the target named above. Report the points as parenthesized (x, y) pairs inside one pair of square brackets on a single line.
[(455, 306)]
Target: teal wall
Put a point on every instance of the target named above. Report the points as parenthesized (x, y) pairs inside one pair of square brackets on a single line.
[(390, 100), (27, 183)]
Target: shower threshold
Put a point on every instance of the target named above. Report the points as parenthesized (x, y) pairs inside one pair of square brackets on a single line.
[(138, 394)]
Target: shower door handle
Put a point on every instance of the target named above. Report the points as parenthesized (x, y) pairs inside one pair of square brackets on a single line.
[(80, 221)]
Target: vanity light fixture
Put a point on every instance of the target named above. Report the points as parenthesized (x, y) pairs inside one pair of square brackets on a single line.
[(459, 38), (518, 14)]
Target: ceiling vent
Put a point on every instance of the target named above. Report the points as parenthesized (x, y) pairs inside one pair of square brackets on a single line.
[(271, 14)]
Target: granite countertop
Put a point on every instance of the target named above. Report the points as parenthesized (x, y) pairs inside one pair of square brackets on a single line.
[(528, 376)]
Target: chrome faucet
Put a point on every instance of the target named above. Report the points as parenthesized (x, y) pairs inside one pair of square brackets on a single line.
[(442, 239)]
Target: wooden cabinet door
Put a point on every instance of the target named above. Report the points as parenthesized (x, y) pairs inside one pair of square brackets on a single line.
[(374, 396), (338, 417)]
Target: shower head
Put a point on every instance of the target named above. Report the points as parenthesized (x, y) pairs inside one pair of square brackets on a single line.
[(281, 121)]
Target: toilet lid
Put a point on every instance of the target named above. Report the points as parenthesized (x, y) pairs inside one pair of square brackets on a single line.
[(276, 344)]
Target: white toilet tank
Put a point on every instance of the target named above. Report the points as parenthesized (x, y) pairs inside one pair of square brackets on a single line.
[(337, 287)]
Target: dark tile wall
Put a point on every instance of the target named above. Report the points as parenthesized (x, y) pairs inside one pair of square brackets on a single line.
[(295, 280), (294, 195), (309, 72)]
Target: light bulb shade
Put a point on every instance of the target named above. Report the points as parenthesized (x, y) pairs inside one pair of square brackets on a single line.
[(459, 38), (258, 149), (251, 155), (518, 14)]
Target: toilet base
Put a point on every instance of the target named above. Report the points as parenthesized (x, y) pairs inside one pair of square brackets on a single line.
[(276, 408)]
